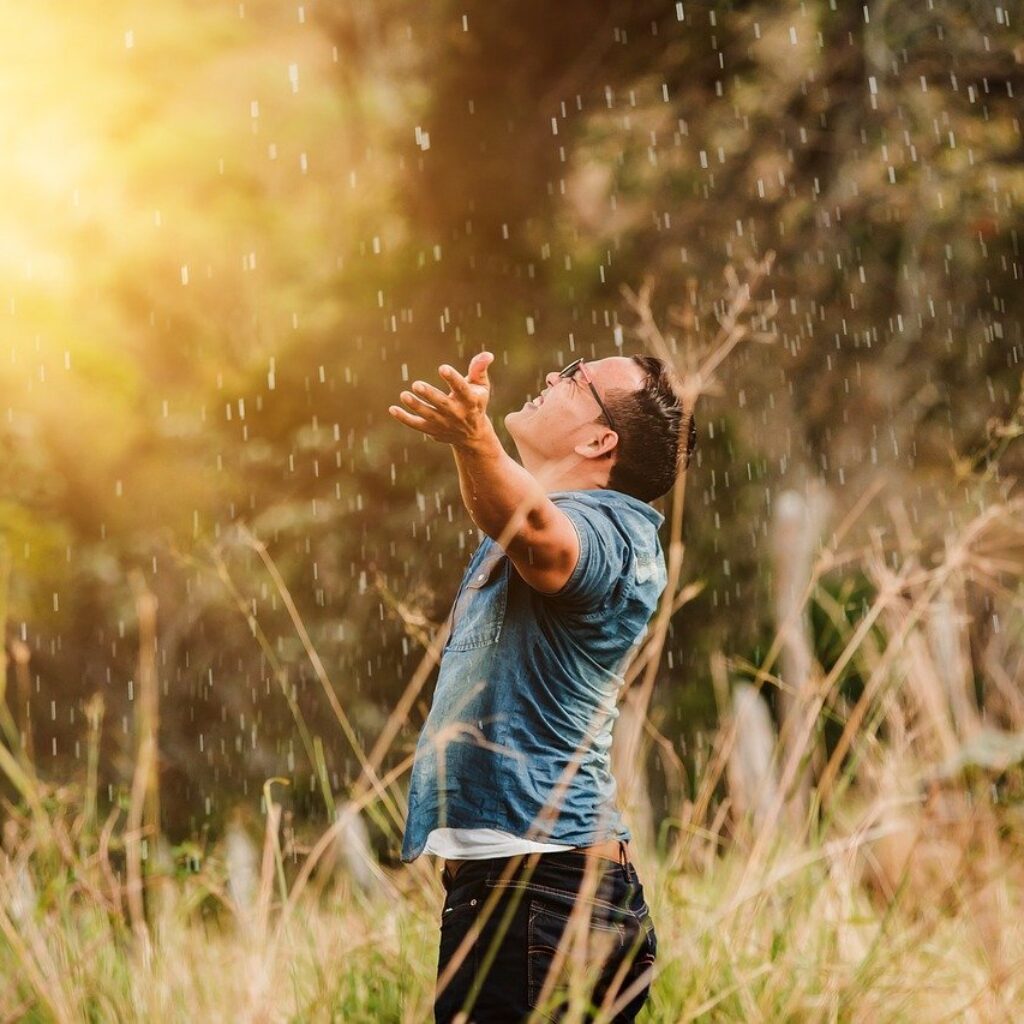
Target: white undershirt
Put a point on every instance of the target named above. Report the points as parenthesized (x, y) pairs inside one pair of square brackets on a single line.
[(483, 843)]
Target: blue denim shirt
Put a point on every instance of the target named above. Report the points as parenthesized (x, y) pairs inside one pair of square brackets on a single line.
[(519, 732)]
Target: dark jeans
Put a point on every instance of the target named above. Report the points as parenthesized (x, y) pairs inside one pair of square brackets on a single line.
[(519, 908)]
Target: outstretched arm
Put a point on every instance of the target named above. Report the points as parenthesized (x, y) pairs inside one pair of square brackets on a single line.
[(503, 498)]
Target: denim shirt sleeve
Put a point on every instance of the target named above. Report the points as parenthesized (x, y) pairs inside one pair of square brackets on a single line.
[(606, 557)]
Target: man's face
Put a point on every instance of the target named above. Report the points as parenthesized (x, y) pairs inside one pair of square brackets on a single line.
[(562, 416)]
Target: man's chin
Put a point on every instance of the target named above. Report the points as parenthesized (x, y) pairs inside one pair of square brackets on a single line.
[(513, 423)]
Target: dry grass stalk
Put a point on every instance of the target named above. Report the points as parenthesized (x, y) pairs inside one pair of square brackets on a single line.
[(318, 666), (144, 806), (796, 531), (22, 654), (356, 852), (34, 959), (627, 751), (952, 658), (271, 854), (695, 370), (240, 862), (941, 864), (5, 575), (693, 814), (753, 786), (921, 690)]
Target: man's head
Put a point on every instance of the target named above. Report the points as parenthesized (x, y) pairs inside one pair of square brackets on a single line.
[(638, 454)]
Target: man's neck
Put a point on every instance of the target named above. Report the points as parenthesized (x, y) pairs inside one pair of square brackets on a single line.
[(579, 475)]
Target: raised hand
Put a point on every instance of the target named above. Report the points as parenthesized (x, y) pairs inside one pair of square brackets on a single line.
[(458, 418)]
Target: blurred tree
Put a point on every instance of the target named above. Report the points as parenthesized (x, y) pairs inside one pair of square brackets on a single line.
[(233, 234)]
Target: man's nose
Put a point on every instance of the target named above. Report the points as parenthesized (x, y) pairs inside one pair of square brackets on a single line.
[(551, 379)]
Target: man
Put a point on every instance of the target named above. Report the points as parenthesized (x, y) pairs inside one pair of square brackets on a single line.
[(511, 783)]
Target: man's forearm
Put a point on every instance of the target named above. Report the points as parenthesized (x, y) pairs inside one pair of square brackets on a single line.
[(502, 497)]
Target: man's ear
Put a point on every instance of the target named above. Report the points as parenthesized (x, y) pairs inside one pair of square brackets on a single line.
[(600, 446)]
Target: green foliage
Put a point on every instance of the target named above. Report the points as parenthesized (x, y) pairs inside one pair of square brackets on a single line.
[(228, 244)]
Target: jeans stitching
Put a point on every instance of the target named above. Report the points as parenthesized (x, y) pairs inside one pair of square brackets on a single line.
[(607, 926), (532, 989), (642, 914), (632, 879), (641, 960), (529, 959), (538, 888)]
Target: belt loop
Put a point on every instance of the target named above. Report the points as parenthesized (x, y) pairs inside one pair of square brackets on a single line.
[(624, 861)]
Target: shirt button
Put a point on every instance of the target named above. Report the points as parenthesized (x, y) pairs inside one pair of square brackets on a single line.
[(472, 903), (480, 577)]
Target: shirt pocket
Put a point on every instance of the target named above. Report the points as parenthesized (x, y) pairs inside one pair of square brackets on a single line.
[(479, 610)]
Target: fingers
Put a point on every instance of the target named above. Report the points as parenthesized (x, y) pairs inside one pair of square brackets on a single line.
[(418, 405), (459, 384), (478, 367), (477, 374), (435, 396), (436, 414), (416, 422)]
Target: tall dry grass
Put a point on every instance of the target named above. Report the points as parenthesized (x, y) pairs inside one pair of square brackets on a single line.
[(873, 877)]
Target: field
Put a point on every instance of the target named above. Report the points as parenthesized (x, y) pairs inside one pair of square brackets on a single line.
[(889, 890)]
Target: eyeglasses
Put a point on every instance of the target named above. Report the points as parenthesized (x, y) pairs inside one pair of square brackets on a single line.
[(570, 370)]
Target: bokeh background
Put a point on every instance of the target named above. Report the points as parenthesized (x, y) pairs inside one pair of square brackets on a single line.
[(232, 232)]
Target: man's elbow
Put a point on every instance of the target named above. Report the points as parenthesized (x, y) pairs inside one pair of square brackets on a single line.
[(546, 557)]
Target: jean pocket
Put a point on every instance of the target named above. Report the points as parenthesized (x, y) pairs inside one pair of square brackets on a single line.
[(458, 904), (456, 956), (555, 953)]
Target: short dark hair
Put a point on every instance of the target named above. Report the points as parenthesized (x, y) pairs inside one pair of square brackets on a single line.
[(649, 423)]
